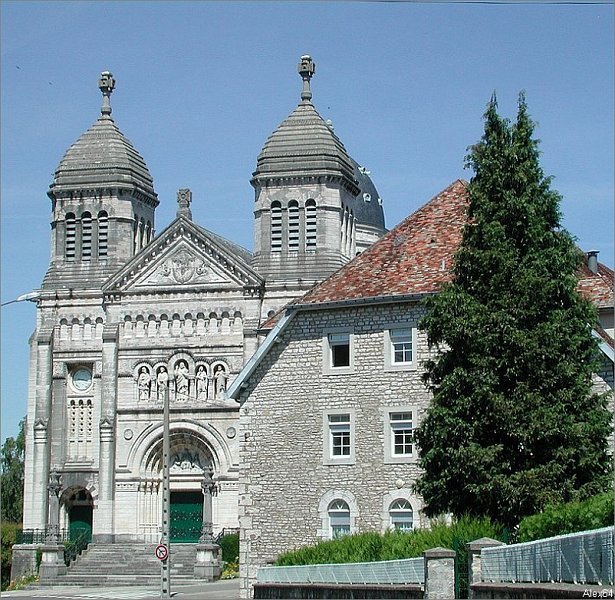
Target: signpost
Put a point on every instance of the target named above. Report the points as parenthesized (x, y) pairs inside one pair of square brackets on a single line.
[(165, 569)]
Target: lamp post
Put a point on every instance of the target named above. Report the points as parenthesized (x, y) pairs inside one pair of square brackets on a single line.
[(52, 535), (52, 552), (209, 489), (207, 551)]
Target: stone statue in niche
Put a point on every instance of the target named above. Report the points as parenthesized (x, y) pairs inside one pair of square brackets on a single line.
[(181, 381), (220, 379), (144, 383), (201, 383), (162, 381)]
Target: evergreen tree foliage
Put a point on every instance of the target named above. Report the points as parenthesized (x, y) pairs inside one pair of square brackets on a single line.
[(514, 424), (11, 477)]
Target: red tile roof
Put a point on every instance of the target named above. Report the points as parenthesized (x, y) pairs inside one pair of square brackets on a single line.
[(416, 256), (598, 287), (413, 258)]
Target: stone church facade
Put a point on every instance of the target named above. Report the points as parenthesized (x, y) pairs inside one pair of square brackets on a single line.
[(124, 312)]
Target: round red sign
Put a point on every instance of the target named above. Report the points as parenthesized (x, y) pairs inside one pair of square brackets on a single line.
[(162, 552)]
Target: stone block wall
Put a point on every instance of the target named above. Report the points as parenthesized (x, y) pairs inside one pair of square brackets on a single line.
[(286, 481)]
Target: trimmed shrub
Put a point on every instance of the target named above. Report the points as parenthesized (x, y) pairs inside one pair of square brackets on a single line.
[(558, 519), (393, 545), (229, 544)]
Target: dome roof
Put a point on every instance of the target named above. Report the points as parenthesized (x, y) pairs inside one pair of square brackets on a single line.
[(367, 205), (304, 145), (103, 157)]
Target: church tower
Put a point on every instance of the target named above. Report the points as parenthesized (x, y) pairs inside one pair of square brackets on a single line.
[(315, 207), (103, 203)]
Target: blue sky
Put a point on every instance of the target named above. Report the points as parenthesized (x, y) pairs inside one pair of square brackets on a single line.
[(201, 85)]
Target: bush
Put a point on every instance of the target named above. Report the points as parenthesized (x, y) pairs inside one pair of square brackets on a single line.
[(558, 519), (229, 544), (393, 545), (8, 535)]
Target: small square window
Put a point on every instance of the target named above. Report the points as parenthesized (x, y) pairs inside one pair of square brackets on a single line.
[(400, 348), (339, 344), (401, 342)]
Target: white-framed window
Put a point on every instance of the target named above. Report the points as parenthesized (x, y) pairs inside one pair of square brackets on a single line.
[(401, 515), (339, 518), (338, 436), (339, 432), (400, 348), (338, 352), (339, 514), (401, 433), (399, 423)]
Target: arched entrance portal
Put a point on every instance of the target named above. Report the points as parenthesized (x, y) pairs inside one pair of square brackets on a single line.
[(189, 457), (79, 507)]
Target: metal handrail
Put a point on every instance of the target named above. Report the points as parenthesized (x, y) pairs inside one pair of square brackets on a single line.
[(40, 536)]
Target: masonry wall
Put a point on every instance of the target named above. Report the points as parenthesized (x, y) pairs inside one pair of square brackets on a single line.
[(286, 484)]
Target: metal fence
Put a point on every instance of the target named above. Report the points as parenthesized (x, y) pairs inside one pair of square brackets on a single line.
[(585, 557), (388, 572), (39, 536)]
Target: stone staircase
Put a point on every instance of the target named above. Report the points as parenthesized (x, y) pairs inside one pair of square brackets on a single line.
[(126, 564)]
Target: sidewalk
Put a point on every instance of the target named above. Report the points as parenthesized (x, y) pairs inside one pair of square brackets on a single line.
[(218, 590)]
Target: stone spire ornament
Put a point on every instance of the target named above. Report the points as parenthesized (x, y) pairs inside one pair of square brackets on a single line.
[(306, 69), (184, 199), (106, 84)]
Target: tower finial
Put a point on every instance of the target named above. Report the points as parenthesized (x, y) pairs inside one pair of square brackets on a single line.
[(106, 84), (306, 69), (184, 199)]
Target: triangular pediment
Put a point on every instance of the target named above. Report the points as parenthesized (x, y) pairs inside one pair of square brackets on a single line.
[(185, 257)]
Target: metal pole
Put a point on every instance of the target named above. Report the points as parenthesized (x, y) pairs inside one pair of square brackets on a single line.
[(165, 569)]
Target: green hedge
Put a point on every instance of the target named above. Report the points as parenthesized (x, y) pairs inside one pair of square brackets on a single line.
[(8, 533), (392, 545), (558, 519), (229, 544)]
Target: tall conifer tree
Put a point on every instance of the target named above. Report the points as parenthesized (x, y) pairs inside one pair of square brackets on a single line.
[(514, 424)]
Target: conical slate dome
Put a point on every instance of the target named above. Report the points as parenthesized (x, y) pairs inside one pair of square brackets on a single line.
[(304, 146), (103, 158)]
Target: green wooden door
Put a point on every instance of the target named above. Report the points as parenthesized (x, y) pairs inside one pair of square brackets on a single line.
[(80, 518), (186, 516)]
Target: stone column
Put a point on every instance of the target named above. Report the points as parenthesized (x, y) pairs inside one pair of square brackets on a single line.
[(475, 574), (103, 525), (439, 574), (52, 560), (207, 565)]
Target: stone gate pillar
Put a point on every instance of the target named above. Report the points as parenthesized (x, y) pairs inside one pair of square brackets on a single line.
[(208, 564)]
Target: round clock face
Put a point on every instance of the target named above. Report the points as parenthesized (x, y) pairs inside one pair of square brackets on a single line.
[(82, 379)]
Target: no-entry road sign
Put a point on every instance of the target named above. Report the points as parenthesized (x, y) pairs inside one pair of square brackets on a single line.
[(162, 552)]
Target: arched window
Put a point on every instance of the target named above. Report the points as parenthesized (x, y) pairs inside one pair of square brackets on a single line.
[(400, 515), (148, 229), (276, 226), (339, 518), (293, 226), (136, 236), (86, 236), (103, 234), (310, 225), (71, 226)]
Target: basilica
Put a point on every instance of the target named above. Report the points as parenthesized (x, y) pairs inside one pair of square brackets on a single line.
[(126, 311)]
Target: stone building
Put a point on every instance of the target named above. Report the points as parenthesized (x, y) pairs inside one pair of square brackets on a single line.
[(124, 312), (335, 390)]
